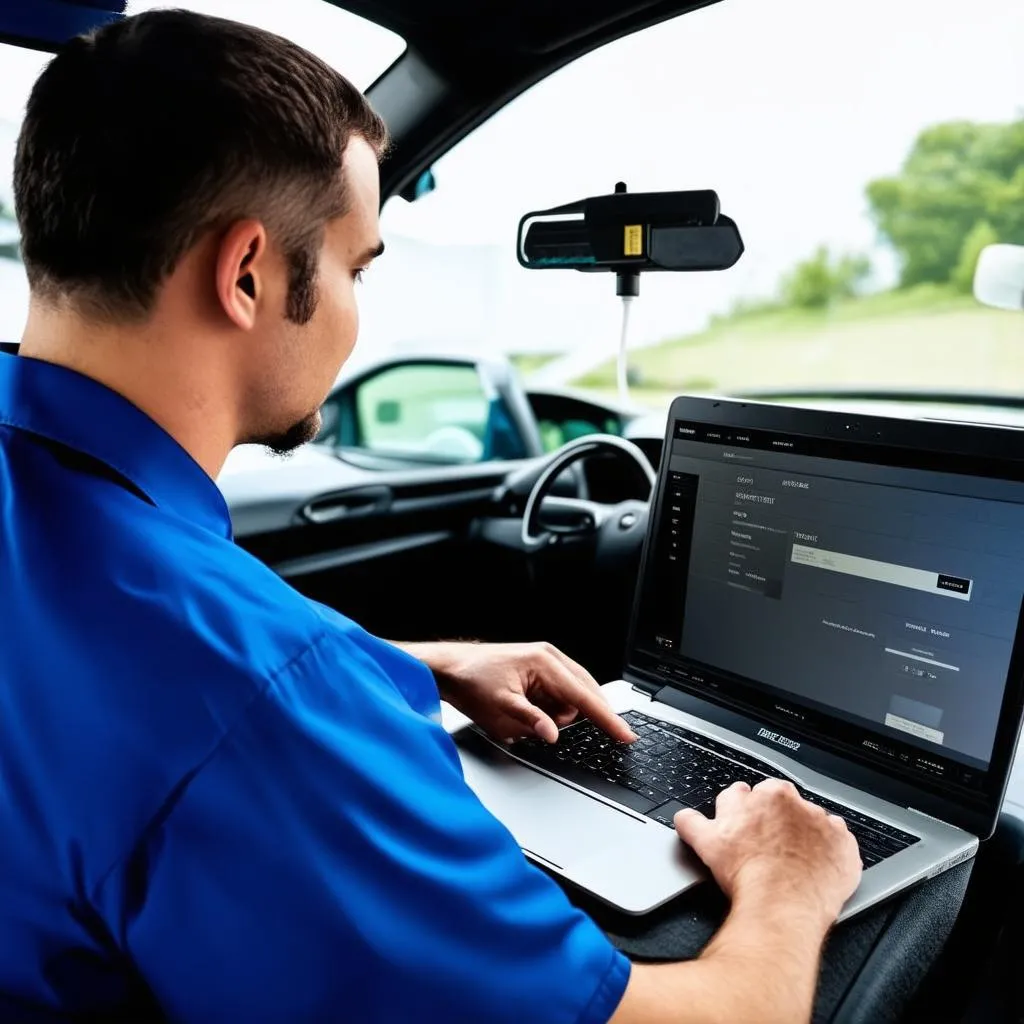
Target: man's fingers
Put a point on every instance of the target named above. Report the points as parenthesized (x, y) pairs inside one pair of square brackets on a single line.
[(730, 795), (575, 668), (568, 687), (693, 828), (564, 716), (590, 683), (598, 710), (533, 718)]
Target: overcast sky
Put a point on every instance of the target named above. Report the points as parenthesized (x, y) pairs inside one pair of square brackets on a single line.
[(786, 107)]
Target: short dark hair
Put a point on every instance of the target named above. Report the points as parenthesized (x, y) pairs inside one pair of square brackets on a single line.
[(147, 133)]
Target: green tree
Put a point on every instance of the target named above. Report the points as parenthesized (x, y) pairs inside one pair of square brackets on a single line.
[(849, 274), (956, 176), (981, 235), (809, 284), (819, 281)]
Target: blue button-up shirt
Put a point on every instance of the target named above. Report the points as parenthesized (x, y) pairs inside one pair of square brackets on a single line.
[(218, 798)]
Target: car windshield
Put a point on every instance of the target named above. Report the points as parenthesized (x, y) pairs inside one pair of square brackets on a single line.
[(866, 168), (359, 48), (866, 159)]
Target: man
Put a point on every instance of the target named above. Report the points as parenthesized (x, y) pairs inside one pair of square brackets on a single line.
[(221, 801)]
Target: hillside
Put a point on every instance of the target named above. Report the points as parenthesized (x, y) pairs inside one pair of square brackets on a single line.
[(923, 338)]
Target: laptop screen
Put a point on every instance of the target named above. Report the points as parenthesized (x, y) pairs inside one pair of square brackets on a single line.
[(861, 593)]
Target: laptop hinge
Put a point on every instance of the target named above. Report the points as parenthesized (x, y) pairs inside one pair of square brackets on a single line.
[(638, 682), (648, 689)]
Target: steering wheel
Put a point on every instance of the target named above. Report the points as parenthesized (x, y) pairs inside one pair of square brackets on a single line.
[(579, 515)]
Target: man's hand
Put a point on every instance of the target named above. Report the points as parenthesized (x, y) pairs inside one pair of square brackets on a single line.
[(787, 868), (769, 839), (517, 690)]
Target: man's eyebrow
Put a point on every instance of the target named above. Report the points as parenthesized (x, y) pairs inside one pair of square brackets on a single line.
[(372, 253)]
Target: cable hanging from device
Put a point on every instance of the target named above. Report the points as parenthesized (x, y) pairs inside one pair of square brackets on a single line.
[(627, 287), (622, 365)]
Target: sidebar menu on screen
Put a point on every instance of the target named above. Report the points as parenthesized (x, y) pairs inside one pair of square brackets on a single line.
[(663, 595)]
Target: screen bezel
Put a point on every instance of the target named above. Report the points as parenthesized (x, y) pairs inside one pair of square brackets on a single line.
[(988, 451)]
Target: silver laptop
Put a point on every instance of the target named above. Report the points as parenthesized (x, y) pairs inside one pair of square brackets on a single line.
[(829, 599)]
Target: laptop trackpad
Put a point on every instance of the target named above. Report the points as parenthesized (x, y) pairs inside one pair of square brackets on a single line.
[(635, 865), (547, 818)]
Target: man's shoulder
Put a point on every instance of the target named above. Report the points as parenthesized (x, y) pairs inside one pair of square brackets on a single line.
[(225, 608), (125, 583)]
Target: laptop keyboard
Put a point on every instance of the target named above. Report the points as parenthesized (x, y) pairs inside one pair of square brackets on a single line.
[(669, 768)]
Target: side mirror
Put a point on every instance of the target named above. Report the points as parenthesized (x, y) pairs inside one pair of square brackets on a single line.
[(999, 276), (437, 411)]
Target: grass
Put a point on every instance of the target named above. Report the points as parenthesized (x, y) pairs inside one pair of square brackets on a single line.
[(928, 338)]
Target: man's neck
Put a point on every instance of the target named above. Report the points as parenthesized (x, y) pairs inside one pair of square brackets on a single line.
[(176, 388)]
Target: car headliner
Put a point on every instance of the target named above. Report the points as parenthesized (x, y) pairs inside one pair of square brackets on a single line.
[(464, 59)]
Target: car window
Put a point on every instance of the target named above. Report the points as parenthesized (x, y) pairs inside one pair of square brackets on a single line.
[(361, 50), (358, 48), (865, 168), (20, 69)]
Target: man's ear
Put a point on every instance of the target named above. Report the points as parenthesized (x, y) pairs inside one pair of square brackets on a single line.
[(241, 259)]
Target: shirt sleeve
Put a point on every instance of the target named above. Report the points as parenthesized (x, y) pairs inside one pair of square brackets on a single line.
[(329, 863)]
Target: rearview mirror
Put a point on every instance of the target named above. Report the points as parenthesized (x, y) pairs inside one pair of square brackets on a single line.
[(631, 233)]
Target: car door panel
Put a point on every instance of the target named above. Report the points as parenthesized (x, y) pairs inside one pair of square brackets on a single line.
[(397, 551)]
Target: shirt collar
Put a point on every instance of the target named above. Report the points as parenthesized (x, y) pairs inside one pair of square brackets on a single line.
[(78, 412)]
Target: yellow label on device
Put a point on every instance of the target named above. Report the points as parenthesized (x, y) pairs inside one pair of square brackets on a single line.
[(633, 243)]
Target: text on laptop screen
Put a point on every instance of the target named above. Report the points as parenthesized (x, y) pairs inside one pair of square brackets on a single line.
[(850, 595)]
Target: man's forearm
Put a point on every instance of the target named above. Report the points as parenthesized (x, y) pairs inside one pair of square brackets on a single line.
[(437, 656), (425, 651), (761, 968)]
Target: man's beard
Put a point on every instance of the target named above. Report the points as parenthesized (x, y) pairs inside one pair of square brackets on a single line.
[(294, 437)]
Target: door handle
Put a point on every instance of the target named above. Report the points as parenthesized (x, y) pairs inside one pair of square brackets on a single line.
[(346, 505)]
